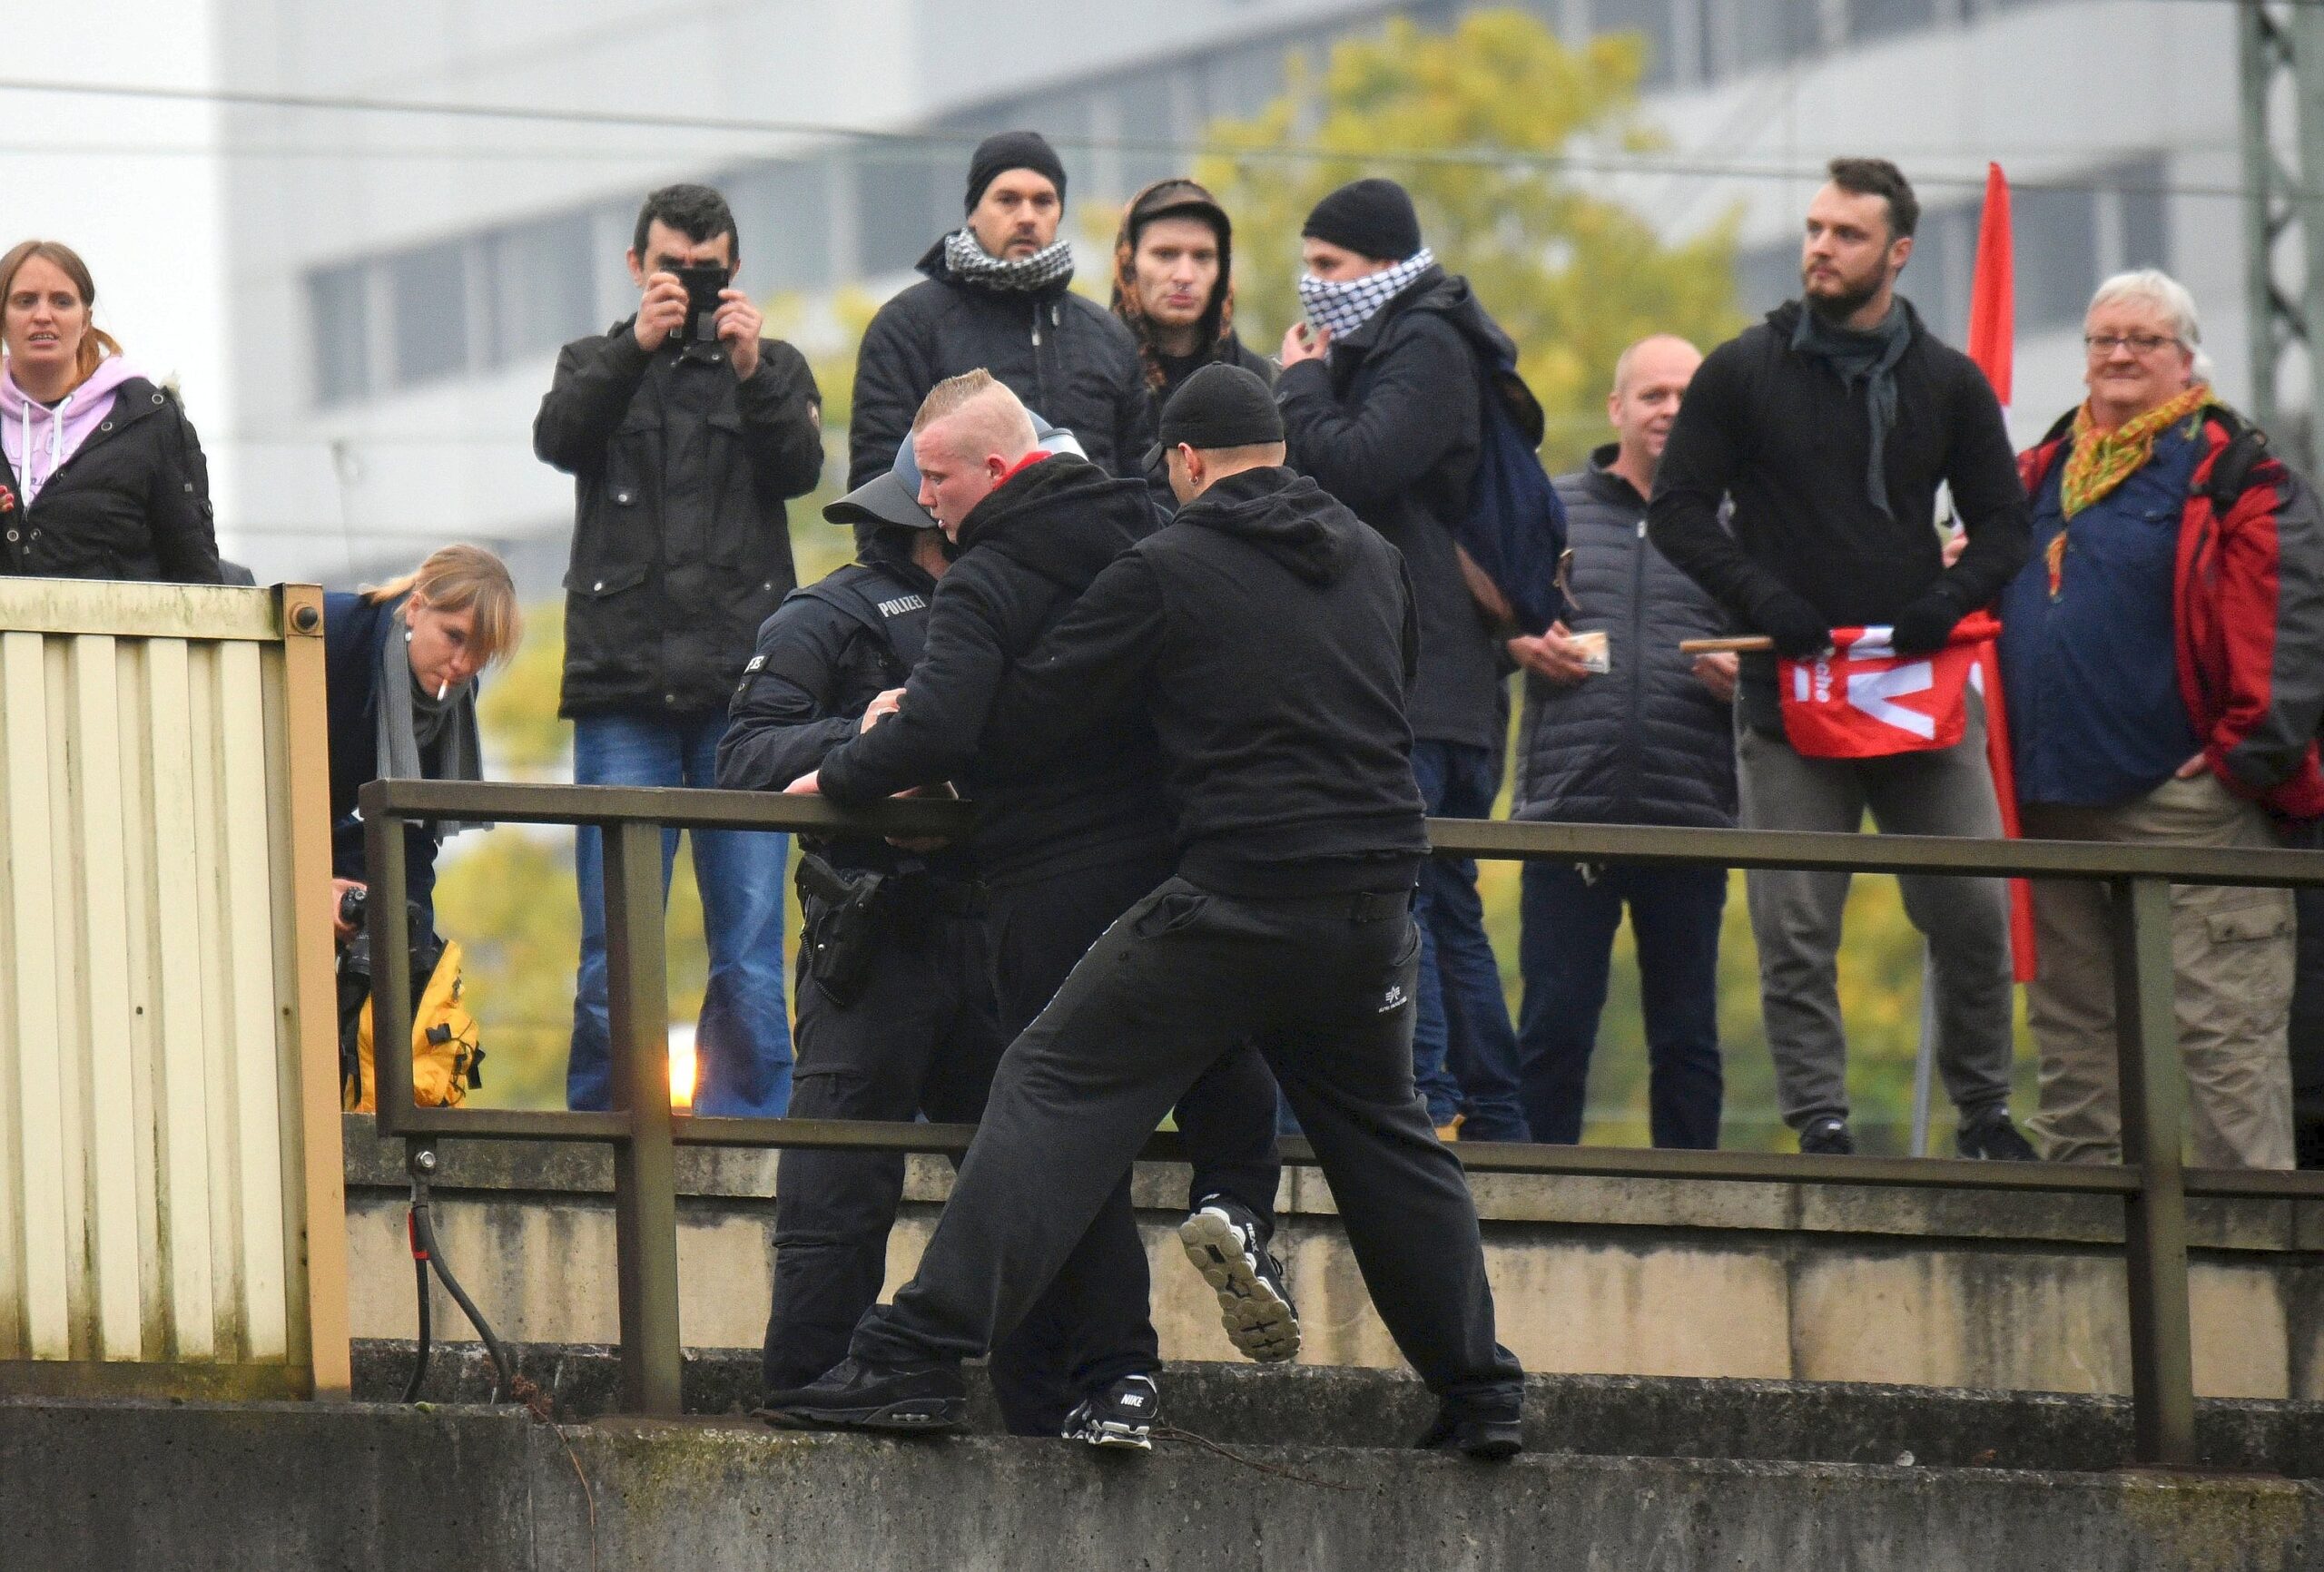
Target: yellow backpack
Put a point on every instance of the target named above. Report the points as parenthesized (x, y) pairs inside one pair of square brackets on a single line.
[(446, 1053)]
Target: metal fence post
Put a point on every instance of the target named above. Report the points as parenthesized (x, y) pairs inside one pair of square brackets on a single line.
[(646, 1211), (2162, 1371)]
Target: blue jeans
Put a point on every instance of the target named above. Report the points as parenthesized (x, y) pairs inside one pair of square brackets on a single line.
[(1569, 940), (1464, 1051), (742, 1042)]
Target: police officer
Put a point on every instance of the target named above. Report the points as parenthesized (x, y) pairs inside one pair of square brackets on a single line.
[(895, 1009)]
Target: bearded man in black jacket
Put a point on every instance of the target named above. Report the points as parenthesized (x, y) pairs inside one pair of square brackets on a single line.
[(1064, 846), (1831, 425), (1267, 636), (995, 299)]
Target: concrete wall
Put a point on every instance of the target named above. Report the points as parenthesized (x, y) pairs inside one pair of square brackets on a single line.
[(1658, 1278), (358, 1489)]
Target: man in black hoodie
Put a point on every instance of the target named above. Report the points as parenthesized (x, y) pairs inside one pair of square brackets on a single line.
[(1830, 426), (1269, 636), (1380, 397), (995, 298), (1064, 846)]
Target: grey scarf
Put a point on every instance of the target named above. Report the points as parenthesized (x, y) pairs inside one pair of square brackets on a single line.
[(967, 260), (1869, 357), (419, 737)]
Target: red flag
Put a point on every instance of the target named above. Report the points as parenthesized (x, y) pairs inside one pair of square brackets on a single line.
[(1993, 309), (1986, 680), (1864, 700)]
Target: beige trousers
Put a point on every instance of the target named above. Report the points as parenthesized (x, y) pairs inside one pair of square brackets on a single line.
[(2233, 953)]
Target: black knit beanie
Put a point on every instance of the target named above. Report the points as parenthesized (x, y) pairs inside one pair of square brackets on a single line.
[(1373, 218), (1221, 405), (1007, 150)]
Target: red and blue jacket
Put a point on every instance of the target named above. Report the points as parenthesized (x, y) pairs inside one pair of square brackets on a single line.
[(2248, 615)]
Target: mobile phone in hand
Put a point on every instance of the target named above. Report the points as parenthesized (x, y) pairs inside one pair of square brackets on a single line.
[(703, 286)]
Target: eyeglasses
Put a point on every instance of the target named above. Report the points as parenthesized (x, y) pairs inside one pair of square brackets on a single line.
[(2103, 344)]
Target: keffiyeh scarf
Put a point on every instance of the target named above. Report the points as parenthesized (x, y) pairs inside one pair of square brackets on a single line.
[(967, 260), (1346, 305)]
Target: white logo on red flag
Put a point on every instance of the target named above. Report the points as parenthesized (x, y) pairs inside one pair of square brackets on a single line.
[(1863, 700)]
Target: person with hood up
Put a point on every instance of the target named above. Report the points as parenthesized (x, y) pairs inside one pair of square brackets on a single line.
[(1064, 846), (104, 477), (995, 299), (1174, 287), (1379, 396), (1267, 637)]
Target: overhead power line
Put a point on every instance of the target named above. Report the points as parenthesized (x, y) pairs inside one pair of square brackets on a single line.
[(1663, 166)]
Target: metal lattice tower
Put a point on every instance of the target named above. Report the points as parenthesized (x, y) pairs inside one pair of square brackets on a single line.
[(2282, 56)]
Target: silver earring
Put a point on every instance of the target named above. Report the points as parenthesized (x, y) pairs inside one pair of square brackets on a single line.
[(407, 635)]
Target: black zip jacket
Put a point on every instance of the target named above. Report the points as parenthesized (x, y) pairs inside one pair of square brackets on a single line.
[(1790, 441), (1646, 742), (131, 503), (1027, 551), (681, 542), (1391, 425), (1270, 636), (1070, 360), (821, 659)]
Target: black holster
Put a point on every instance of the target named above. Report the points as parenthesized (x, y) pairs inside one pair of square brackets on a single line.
[(842, 912)]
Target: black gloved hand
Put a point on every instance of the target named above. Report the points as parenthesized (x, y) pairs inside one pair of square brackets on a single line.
[(1797, 628), (1925, 624)]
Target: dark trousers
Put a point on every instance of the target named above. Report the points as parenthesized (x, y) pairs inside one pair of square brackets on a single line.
[(1566, 944), (1465, 1050), (1092, 1325), (1325, 987), (919, 1039)]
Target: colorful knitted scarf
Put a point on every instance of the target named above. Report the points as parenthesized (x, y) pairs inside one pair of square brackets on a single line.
[(2099, 461)]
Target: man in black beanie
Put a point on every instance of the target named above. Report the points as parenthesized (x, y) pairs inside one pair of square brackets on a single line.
[(1380, 394), (1286, 924), (995, 298)]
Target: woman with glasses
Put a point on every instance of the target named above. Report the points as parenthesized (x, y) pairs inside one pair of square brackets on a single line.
[(2162, 655)]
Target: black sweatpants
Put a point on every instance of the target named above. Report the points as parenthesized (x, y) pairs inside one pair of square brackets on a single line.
[(921, 1039), (1093, 1323), (1324, 986)]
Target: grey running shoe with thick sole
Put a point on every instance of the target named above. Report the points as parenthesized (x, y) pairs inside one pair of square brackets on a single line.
[(1222, 1240)]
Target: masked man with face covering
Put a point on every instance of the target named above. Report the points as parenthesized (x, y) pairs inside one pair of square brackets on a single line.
[(995, 299)]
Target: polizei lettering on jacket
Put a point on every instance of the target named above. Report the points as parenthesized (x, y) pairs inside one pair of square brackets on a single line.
[(902, 604)]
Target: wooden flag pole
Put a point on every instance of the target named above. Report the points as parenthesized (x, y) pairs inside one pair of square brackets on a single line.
[(1749, 643)]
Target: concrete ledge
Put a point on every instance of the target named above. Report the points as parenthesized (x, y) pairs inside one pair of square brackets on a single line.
[(376, 1489), (1609, 1416), (1766, 1282)]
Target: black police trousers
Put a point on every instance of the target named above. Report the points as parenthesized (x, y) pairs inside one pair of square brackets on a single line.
[(1324, 986)]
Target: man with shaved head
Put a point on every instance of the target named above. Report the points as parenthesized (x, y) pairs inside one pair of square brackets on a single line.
[(1063, 850), (1622, 729)]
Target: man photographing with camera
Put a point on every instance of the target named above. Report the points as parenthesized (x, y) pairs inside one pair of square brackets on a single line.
[(685, 430)]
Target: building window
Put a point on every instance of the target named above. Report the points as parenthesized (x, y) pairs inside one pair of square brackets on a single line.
[(1656, 19), (1763, 33), (896, 210), (1871, 19), (1766, 276), (2056, 236), (544, 285), (338, 321), (427, 301), (782, 217)]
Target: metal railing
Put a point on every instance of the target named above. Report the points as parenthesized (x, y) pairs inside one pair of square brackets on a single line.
[(645, 1133)]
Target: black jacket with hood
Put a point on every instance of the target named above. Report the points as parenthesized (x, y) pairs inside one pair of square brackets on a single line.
[(1269, 635), (681, 542), (1069, 359), (131, 503), (1646, 742), (1027, 551), (1790, 442), (1391, 425)]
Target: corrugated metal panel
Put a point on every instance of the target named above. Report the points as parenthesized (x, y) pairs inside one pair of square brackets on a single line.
[(153, 1183)]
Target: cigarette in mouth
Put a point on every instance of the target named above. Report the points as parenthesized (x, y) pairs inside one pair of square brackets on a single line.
[(441, 689)]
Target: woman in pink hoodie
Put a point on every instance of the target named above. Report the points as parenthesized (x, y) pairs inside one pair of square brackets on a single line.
[(101, 473)]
